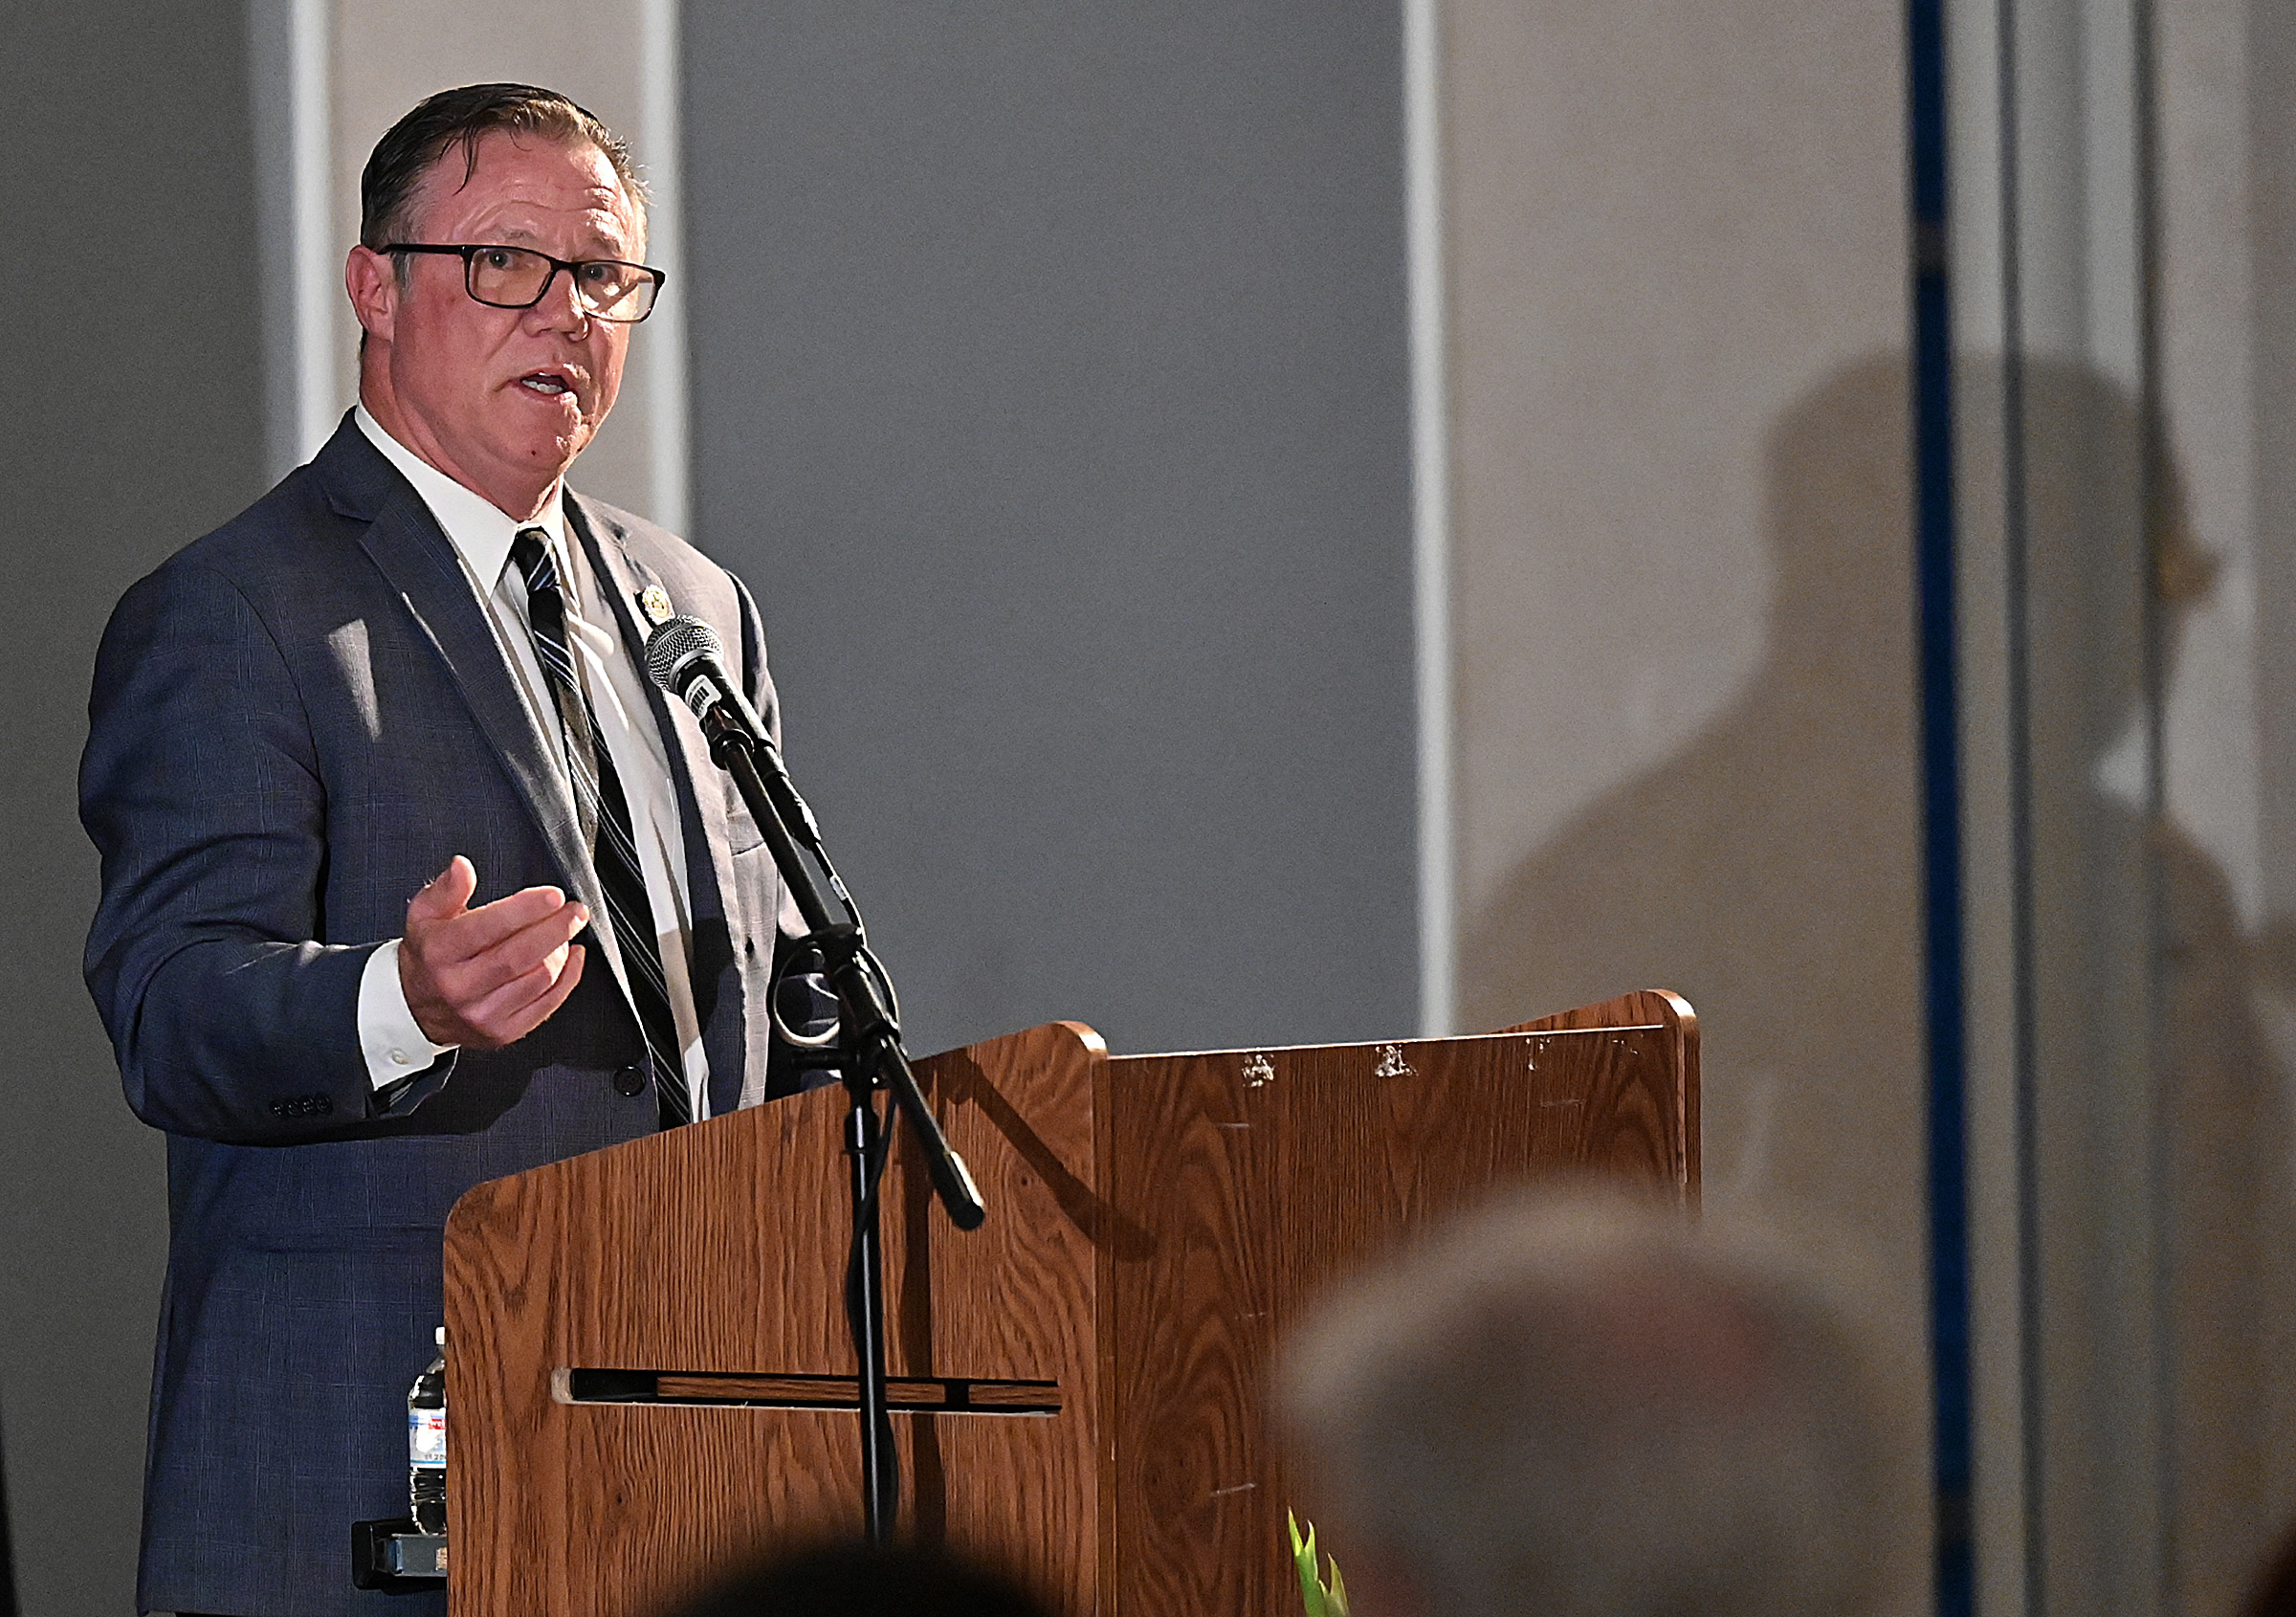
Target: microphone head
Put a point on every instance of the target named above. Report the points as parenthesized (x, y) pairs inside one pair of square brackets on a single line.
[(678, 643)]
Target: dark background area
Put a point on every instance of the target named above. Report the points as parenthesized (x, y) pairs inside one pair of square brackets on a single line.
[(131, 419), (1049, 388)]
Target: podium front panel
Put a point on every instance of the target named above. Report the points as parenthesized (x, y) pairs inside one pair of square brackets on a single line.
[(1253, 1179), (650, 1378)]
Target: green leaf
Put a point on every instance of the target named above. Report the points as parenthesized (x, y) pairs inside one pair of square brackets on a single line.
[(1303, 1559), (1321, 1600)]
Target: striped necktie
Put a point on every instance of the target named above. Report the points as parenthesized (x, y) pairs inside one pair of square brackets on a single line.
[(604, 815)]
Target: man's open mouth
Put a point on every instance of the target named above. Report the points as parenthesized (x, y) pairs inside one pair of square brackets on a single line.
[(547, 383)]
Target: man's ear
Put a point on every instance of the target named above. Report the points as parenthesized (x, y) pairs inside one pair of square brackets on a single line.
[(372, 281)]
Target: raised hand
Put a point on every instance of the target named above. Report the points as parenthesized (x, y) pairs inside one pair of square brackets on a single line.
[(487, 977)]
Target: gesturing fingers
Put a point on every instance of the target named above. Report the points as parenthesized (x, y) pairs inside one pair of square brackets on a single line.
[(487, 976), (528, 1000), (510, 957), (469, 934)]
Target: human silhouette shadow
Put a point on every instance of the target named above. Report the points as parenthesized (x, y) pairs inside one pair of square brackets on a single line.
[(1771, 872)]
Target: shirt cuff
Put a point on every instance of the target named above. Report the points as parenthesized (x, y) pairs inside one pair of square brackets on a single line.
[(389, 1036)]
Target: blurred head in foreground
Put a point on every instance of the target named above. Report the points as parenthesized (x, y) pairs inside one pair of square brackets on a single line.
[(855, 1580), (1578, 1405)]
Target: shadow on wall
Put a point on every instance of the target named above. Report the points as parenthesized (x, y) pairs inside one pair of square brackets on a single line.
[(2222, 1113), (2161, 1123), (1771, 872)]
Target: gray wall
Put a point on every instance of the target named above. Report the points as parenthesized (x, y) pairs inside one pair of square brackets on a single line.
[(130, 399), (1050, 387)]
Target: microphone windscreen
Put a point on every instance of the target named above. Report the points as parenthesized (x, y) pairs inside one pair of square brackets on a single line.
[(676, 643)]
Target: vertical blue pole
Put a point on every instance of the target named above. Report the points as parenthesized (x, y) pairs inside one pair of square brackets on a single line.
[(1931, 335)]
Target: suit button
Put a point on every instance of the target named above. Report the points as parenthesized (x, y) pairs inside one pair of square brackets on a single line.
[(631, 1080)]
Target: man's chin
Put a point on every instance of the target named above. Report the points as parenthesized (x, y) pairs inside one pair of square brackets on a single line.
[(555, 451)]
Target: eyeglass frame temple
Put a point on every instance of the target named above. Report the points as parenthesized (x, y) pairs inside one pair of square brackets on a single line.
[(464, 251)]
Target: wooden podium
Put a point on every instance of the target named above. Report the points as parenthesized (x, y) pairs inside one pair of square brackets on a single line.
[(650, 1374)]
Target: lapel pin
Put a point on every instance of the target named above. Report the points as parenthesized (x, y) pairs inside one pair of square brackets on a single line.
[(655, 599)]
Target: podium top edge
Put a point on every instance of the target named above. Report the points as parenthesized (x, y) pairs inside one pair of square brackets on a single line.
[(1382, 1044)]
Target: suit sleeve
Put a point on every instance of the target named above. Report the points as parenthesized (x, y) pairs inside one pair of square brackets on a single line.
[(201, 788)]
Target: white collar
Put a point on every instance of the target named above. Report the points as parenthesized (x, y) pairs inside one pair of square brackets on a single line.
[(478, 529)]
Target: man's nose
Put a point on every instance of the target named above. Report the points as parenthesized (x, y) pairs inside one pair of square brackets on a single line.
[(560, 306)]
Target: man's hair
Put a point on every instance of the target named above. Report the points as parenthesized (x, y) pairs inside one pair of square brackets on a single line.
[(1577, 1406), (463, 116)]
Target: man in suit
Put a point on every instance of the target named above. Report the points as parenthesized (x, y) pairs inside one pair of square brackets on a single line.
[(411, 877)]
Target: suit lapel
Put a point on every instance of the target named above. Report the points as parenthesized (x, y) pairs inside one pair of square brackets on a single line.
[(412, 551), (701, 797)]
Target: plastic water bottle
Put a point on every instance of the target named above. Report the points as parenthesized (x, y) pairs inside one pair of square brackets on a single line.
[(427, 1442)]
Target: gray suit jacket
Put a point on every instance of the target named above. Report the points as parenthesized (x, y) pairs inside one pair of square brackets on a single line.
[(297, 721)]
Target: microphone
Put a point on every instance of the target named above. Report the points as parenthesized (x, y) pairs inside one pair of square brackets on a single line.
[(687, 659)]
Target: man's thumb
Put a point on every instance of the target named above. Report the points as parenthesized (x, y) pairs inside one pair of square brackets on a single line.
[(448, 892)]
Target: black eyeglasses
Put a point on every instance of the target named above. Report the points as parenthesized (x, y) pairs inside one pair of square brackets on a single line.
[(515, 277)]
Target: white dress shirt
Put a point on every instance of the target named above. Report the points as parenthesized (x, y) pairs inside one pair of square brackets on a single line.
[(393, 1044)]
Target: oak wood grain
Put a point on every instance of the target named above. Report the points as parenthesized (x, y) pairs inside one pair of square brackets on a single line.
[(718, 1251), (1666, 1009), (1156, 1224), (1260, 1177)]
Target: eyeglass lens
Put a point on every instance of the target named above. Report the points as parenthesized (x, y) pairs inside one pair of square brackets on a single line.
[(510, 277)]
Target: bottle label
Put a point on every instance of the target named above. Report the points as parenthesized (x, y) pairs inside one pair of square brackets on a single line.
[(426, 1437)]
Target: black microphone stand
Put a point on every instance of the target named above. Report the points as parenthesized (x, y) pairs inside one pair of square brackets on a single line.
[(871, 1058)]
